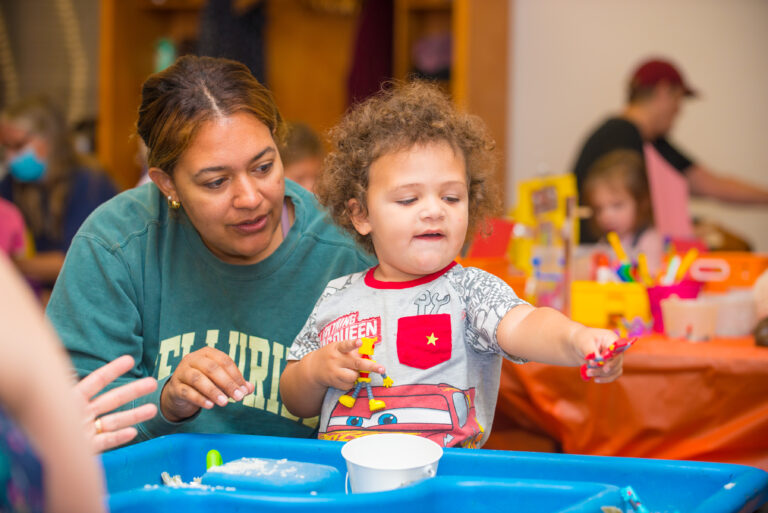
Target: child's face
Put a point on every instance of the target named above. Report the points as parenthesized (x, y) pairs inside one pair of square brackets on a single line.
[(614, 209), (417, 210)]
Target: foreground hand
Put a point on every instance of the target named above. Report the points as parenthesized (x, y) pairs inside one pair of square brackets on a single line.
[(339, 364), (593, 340), (108, 431), (204, 378)]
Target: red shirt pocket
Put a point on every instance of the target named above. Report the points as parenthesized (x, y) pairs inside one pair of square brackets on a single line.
[(424, 341)]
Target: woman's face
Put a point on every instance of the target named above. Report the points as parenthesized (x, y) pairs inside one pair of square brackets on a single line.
[(230, 184)]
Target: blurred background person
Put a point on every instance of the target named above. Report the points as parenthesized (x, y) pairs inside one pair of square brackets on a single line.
[(617, 192), (302, 154), (54, 187), (12, 230), (656, 91)]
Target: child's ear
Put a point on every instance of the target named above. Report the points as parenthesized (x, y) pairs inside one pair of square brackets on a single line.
[(358, 217)]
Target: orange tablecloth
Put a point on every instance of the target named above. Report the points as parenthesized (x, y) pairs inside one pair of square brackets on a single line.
[(676, 400)]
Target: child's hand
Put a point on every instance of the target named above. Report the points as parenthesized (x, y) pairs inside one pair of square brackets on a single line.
[(586, 340), (338, 364)]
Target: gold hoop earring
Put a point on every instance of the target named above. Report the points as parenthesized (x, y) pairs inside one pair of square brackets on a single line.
[(172, 203)]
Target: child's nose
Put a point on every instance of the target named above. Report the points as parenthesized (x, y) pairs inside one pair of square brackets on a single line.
[(432, 208)]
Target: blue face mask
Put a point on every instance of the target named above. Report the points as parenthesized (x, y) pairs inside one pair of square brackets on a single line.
[(26, 167)]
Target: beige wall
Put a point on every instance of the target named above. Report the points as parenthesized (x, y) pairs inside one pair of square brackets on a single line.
[(570, 61)]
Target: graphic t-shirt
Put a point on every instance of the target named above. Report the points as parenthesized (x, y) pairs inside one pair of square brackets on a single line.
[(436, 338)]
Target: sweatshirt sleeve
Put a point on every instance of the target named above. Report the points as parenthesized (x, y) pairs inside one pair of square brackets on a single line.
[(96, 310)]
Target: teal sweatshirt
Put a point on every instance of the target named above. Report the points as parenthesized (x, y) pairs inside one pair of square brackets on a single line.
[(139, 281)]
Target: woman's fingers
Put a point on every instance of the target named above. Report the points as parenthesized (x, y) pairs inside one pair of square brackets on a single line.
[(121, 395), (123, 419), (117, 428), (224, 374), (95, 382), (204, 378), (112, 439)]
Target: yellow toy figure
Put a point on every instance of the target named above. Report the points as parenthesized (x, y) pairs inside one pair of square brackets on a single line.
[(366, 350)]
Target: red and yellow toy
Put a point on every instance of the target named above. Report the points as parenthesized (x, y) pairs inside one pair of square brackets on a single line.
[(594, 361), (348, 400)]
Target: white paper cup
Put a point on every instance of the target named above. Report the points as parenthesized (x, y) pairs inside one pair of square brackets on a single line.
[(387, 461)]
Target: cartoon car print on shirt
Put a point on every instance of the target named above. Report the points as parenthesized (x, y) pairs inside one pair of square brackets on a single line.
[(442, 413)]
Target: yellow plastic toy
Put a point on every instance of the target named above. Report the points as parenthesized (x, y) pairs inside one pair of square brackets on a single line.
[(603, 305), (542, 209), (348, 400)]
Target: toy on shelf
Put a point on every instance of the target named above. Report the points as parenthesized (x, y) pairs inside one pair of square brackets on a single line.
[(348, 400), (598, 360), (546, 227)]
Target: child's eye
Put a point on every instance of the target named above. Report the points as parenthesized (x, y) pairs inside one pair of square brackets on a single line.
[(451, 199), (406, 201), (215, 184)]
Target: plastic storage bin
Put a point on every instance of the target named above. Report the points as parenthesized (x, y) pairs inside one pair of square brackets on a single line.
[(467, 480), (683, 290), (736, 269), (691, 319), (602, 305)]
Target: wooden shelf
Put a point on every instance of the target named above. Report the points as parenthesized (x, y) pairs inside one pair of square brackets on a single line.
[(478, 71)]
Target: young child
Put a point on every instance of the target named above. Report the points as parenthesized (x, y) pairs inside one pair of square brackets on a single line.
[(302, 154), (408, 177), (617, 191)]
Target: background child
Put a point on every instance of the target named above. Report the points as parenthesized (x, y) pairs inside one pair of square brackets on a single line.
[(12, 230), (617, 191), (408, 178), (302, 154)]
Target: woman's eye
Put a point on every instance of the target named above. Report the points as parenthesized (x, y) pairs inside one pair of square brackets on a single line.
[(215, 184), (406, 201), (264, 168)]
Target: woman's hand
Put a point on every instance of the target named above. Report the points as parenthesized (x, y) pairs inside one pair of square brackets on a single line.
[(586, 340), (204, 378), (115, 429)]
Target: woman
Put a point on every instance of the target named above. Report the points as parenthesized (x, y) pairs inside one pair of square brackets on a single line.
[(51, 185), (206, 275)]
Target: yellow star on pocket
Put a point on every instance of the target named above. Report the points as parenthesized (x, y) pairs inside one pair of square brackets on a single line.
[(432, 339)]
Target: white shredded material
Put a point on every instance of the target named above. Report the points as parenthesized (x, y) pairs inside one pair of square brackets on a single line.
[(258, 467), (177, 482)]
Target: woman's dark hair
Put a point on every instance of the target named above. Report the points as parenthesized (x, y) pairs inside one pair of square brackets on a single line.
[(178, 100)]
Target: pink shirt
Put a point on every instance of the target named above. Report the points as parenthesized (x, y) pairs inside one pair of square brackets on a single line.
[(11, 229), (669, 196)]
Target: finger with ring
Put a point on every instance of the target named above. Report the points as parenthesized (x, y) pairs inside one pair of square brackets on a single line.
[(97, 425)]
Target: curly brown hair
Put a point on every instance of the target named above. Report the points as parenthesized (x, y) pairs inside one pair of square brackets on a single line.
[(395, 119)]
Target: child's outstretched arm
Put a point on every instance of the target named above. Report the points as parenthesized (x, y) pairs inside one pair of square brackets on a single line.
[(304, 382), (547, 336)]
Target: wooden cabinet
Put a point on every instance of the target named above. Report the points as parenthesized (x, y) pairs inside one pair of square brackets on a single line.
[(479, 58), (308, 54)]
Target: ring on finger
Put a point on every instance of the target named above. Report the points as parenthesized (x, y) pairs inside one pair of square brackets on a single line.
[(98, 426)]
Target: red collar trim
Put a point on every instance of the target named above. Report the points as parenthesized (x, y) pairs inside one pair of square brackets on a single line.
[(377, 284)]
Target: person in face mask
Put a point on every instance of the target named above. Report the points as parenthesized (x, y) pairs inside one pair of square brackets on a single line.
[(51, 184)]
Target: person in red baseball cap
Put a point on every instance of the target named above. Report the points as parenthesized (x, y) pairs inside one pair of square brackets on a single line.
[(656, 90)]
